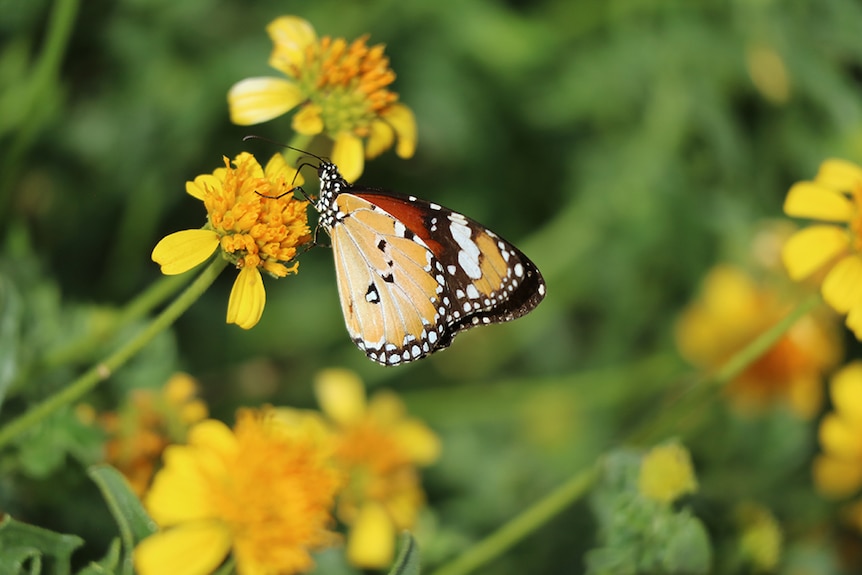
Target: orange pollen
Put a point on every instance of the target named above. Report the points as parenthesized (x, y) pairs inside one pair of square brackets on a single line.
[(255, 220), (276, 496), (356, 67), (368, 445), (775, 369)]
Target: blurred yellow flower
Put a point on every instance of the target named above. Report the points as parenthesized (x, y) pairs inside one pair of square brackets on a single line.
[(731, 311), (253, 216), (379, 449), (342, 90), (264, 491), (833, 248), (761, 538), (666, 473), (838, 470), (149, 421)]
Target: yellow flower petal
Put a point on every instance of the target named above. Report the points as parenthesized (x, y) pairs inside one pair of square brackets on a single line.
[(341, 395), (371, 541), (417, 440), (247, 299), (215, 436), (278, 167), (256, 100), (347, 154), (192, 549), (181, 251), (175, 496), (307, 120), (839, 175), (846, 392), (842, 287), (203, 184), (386, 408), (402, 120), (809, 249), (818, 202), (837, 477), (380, 139), (839, 438), (854, 320), (290, 35), (805, 395)]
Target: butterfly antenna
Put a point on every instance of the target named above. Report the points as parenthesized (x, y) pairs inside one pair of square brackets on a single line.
[(306, 152)]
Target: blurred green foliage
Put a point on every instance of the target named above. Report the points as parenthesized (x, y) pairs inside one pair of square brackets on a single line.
[(625, 145)]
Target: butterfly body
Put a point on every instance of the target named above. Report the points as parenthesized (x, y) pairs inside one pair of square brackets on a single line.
[(412, 274)]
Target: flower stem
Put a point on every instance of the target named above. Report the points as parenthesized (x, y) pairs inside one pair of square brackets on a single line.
[(153, 296), (103, 370), (737, 364), (39, 85), (686, 404), (522, 525), (297, 142)]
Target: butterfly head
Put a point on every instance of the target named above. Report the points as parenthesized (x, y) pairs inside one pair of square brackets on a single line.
[(332, 183)]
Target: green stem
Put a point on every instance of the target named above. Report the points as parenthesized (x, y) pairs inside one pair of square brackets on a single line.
[(152, 297), (43, 78), (298, 142), (103, 370), (739, 362), (687, 403), (522, 525)]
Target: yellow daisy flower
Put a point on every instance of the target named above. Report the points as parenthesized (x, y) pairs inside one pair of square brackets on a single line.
[(838, 470), (147, 423), (379, 449), (254, 219), (834, 247), (666, 473), (732, 310), (341, 89), (263, 491), (761, 538)]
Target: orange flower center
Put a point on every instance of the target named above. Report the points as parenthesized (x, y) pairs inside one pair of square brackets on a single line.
[(775, 369), (259, 222), (347, 82), (275, 497)]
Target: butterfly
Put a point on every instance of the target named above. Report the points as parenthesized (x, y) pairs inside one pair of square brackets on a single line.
[(412, 274)]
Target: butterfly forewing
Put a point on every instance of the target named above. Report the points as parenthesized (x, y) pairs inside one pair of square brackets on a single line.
[(412, 274), (390, 298)]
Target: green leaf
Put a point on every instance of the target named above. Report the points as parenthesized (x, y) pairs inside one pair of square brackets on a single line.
[(10, 327), (687, 548), (43, 449), (110, 563), (407, 562), (27, 546), (134, 522)]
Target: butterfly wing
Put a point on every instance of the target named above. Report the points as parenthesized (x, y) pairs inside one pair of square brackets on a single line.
[(389, 283), (412, 274)]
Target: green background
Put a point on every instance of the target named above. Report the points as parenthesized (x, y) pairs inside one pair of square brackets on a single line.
[(621, 144)]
